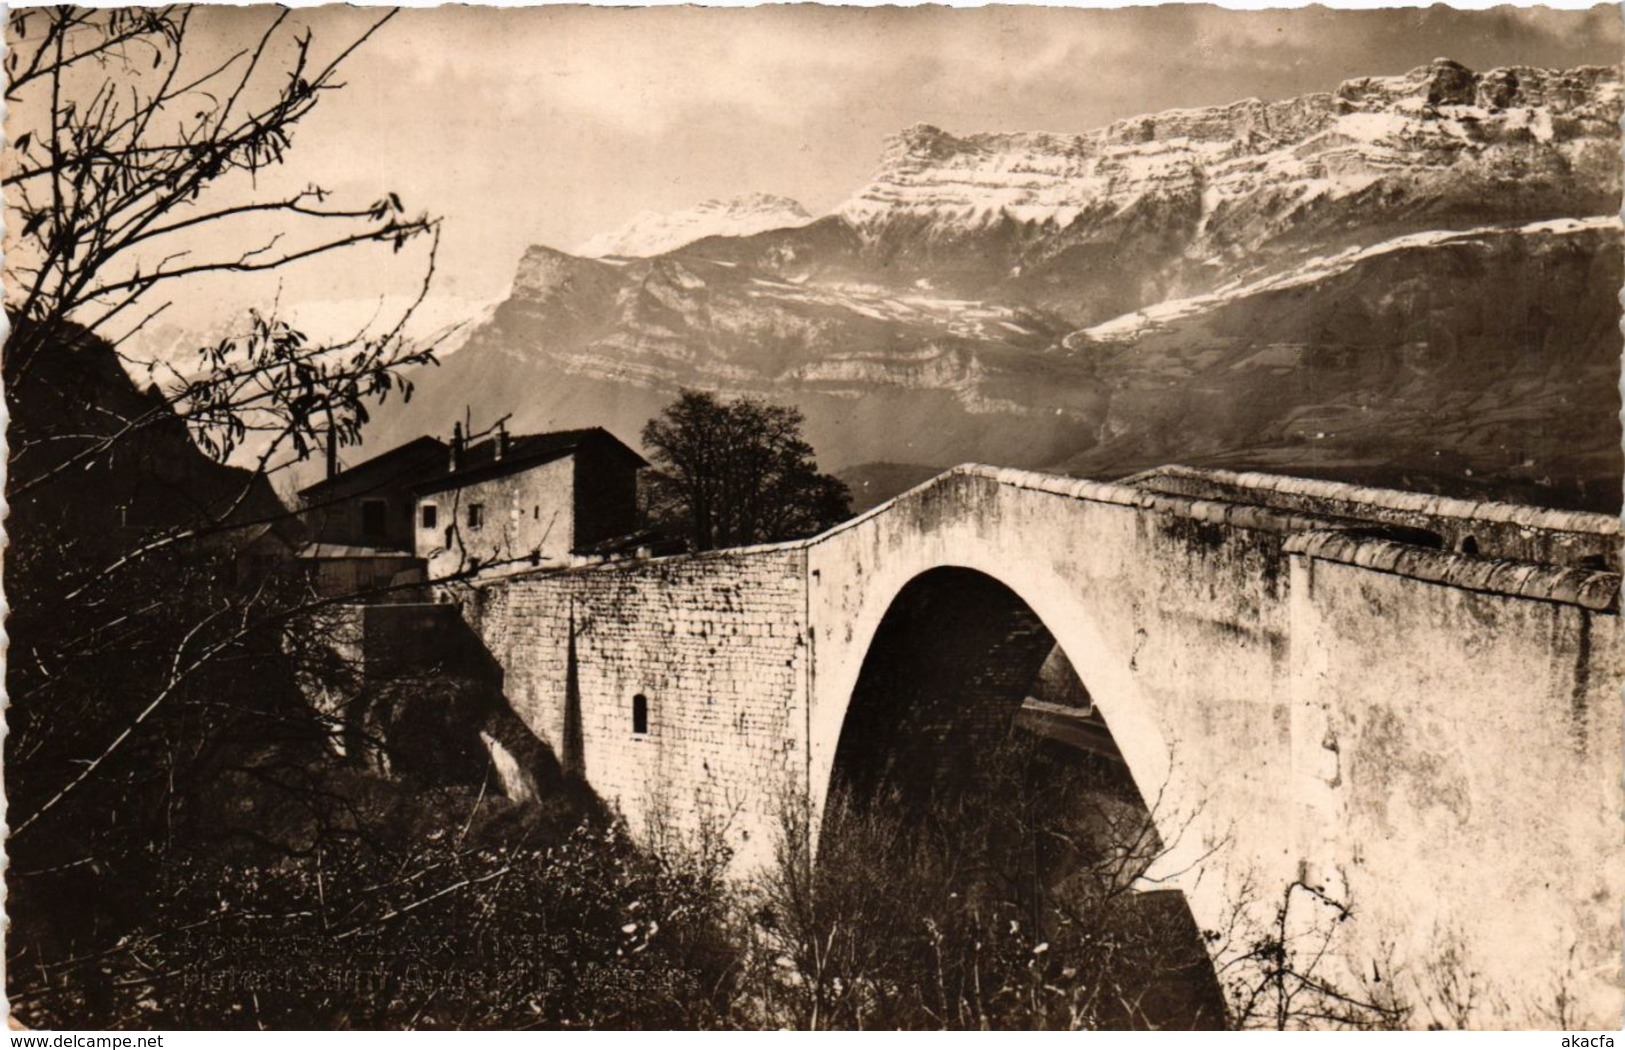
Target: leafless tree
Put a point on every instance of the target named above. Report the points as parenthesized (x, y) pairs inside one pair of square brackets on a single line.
[(123, 141), (143, 675), (135, 144), (1281, 973)]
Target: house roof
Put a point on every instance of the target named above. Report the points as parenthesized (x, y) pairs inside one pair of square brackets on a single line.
[(479, 462), (240, 538), (325, 551), (405, 464)]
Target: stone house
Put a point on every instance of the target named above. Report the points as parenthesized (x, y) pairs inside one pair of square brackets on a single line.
[(517, 502), (372, 503), (505, 503)]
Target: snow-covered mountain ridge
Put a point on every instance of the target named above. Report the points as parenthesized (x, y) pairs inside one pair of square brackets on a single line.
[(1331, 144), (656, 233)]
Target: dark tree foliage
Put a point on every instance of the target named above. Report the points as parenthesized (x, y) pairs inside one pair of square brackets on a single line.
[(1021, 894), (737, 472), (463, 912)]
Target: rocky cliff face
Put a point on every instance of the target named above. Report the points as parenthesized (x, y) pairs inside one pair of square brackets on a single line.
[(1405, 279), (1169, 204), (1506, 123)]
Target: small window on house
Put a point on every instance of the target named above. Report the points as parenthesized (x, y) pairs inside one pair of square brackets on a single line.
[(1469, 545), (372, 518), (640, 714), (451, 534), (536, 513), (476, 515), (431, 515)]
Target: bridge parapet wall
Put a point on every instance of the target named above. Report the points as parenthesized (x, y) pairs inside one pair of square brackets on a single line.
[(713, 643), (1497, 530), (1586, 588), (1474, 702), (1458, 758)]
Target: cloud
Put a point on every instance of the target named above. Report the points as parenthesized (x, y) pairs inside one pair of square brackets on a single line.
[(636, 69)]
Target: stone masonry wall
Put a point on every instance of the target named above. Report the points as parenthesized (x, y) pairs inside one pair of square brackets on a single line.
[(1176, 626), (1458, 756), (1449, 753), (715, 642)]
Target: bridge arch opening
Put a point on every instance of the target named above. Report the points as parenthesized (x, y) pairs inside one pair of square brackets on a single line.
[(971, 738)]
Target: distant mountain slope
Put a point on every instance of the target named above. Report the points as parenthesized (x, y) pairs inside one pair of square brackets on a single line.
[(94, 463), (1481, 362), (1405, 277)]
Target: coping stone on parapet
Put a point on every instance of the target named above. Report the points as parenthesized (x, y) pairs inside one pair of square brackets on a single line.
[(1590, 589)]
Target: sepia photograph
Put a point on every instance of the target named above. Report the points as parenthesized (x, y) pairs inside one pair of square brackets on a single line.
[(805, 517)]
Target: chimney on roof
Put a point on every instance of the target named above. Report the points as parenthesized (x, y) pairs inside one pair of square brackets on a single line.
[(456, 447), (502, 439)]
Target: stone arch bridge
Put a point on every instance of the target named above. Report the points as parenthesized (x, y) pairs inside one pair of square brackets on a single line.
[(1414, 700)]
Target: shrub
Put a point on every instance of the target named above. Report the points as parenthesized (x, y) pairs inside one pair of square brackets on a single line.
[(1005, 900)]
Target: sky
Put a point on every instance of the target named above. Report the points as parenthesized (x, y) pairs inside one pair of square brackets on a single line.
[(548, 125)]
